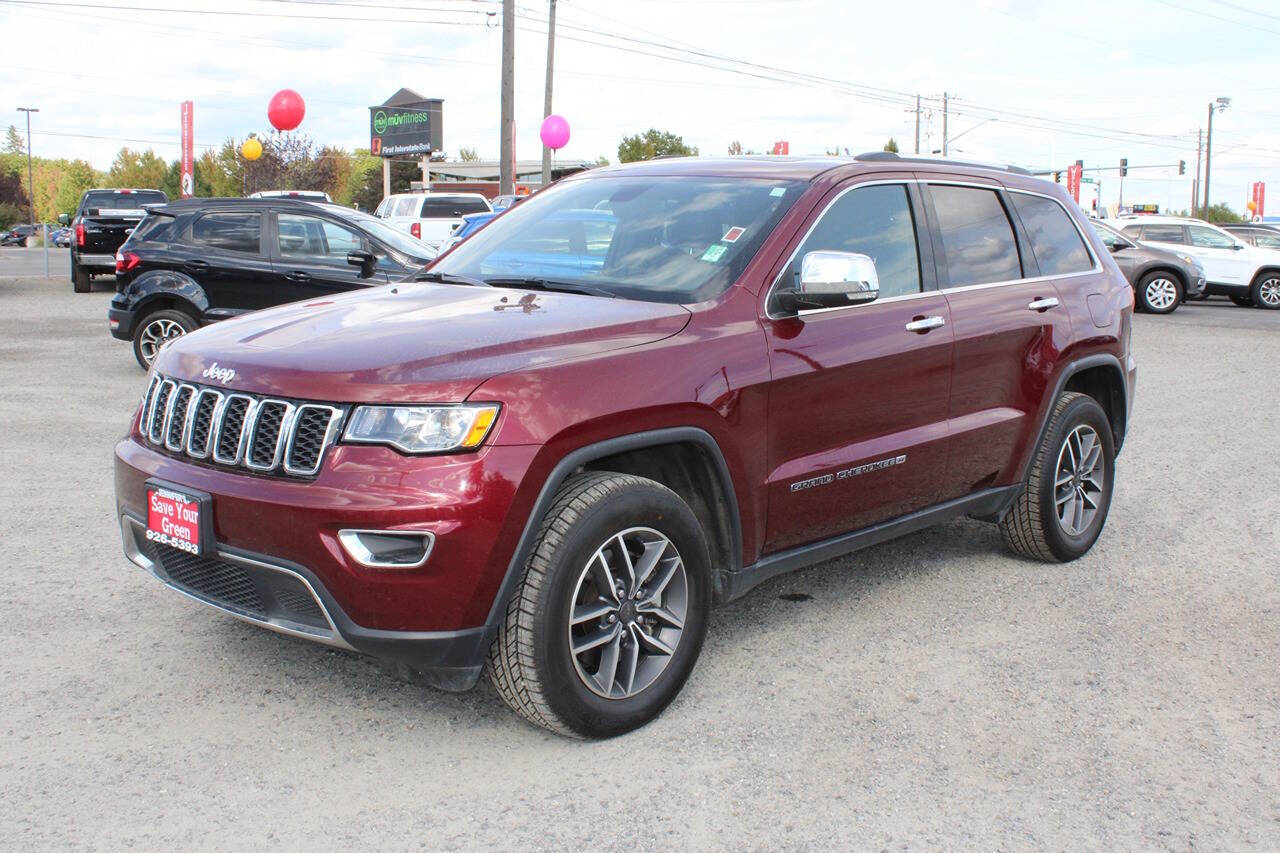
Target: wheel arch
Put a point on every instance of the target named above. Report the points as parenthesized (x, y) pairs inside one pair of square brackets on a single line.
[(159, 289), (1168, 269), (1099, 376), (684, 459)]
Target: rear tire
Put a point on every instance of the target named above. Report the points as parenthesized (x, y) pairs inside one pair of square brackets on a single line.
[(1063, 506), (81, 282), (156, 329), (1242, 301), (1159, 293), (609, 616), (1265, 291)]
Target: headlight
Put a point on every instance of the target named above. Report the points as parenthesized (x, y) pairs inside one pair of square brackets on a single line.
[(422, 429)]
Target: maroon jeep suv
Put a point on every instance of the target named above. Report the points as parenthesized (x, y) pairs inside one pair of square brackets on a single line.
[(640, 393)]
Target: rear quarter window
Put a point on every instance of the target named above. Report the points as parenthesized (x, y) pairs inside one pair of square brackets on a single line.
[(1055, 240), (451, 208), (154, 226), (232, 232)]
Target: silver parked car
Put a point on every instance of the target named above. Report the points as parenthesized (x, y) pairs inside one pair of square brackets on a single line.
[(1161, 279)]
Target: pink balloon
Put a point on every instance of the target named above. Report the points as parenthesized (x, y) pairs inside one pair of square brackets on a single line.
[(286, 110), (555, 132)]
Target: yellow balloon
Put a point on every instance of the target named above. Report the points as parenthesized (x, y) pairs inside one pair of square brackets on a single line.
[(251, 149), (1253, 206)]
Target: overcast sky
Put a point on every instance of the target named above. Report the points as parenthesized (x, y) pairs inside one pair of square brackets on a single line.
[(1089, 80)]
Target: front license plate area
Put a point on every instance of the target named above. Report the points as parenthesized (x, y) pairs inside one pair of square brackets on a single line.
[(178, 518)]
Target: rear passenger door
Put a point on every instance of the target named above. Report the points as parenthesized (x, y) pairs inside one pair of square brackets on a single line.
[(310, 257), (224, 253), (1009, 327), (1224, 260), (857, 429)]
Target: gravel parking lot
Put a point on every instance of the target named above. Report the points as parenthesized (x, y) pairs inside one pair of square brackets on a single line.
[(930, 692)]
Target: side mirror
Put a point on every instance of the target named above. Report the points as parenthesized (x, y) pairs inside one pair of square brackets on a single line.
[(832, 280), (1120, 244), (364, 260), (63, 219), (1237, 246)]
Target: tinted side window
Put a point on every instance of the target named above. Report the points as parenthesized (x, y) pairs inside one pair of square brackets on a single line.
[(1107, 237), (1209, 238), (876, 222), (451, 208), (234, 232), (1057, 244), (1162, 233), (152, 227), (977, 239), (311, 236), (1267, 241), (407, 206)]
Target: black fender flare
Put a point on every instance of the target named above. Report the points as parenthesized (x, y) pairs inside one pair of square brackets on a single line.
[(589, 453), (156, 285), (1084, 363)]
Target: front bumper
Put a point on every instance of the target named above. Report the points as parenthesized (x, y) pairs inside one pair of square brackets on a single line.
[(1197, 286), (270, 531)]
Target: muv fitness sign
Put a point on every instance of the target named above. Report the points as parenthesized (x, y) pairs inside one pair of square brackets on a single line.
[(410, 129)]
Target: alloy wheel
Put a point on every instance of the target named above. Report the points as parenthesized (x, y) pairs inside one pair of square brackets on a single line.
[(1161, 293), (1080, 480), (628, 613), (156, 334), (1269, 292)]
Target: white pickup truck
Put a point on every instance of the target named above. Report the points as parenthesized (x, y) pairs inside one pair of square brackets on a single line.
[(431, 217)]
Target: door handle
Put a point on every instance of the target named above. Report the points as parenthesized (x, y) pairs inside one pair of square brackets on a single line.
[(1043, 304), (297, 276), (924, 324)]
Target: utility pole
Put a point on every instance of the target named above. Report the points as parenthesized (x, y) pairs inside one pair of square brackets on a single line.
[(546, 105), (31, 186), (506, 146), (944, 124), (1195, 182), (1217, 105), (917, 123)]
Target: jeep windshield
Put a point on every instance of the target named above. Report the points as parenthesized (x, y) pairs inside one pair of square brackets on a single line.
[(657, 239)]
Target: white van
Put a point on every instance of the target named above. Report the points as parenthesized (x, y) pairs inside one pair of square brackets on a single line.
[(431, 217)]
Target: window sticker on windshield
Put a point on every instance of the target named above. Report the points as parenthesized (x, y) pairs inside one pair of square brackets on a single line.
[(714, 252), (778, 192), (732, 235)]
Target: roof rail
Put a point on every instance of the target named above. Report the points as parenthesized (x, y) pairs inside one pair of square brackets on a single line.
[(882, 156)]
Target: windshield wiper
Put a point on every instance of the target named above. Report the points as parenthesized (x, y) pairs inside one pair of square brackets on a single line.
[(450, 278), (549, 284)]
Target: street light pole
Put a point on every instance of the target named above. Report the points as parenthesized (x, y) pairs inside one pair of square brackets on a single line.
[(507, 125), (31, 187)]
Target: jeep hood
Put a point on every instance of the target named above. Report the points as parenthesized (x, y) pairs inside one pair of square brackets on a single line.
[(416, 342)]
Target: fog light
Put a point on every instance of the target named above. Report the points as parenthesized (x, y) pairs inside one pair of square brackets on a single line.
[(387, 549)]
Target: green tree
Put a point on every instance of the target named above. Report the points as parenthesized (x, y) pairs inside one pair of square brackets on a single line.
[(468, 155), (653, 143), (1221, 213), (144, 170), (13, 142), (601, 161), (891, 146)]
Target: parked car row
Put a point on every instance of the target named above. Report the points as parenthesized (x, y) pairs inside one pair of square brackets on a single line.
[(193, 262)]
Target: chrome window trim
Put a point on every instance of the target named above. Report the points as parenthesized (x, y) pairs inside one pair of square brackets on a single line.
[(807, 234), (186, 418), (330, 436), (286, 424), (995, 187), (244, 429), (213, 422)]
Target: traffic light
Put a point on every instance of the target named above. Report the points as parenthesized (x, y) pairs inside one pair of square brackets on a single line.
[(1182, 167), (1080, 163), (1057, 177), (1124, 166)]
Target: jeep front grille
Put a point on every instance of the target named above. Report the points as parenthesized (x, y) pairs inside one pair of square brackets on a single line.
[(263, 434)]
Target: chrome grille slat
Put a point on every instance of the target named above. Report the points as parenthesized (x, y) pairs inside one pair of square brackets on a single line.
[(265, 435)]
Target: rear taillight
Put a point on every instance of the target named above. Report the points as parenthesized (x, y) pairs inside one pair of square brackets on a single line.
[(126, 261), (416, 230), (79, 233)]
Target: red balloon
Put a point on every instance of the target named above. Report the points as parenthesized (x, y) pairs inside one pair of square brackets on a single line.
[(286, 110)]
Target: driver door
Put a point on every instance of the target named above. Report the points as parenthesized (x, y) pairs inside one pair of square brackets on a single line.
[(859, 396), (310, 258)]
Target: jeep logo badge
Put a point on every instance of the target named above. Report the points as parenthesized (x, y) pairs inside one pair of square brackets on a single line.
[(219, 374)]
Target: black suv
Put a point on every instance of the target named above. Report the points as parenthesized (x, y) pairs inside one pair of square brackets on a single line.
[(103, 221), (195, 261)]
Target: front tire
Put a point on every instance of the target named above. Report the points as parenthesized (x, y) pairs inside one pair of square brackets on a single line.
[(609, 617), (80, 280), (1063, 506), (1159, 293), (1265, 291), (157, 329)]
